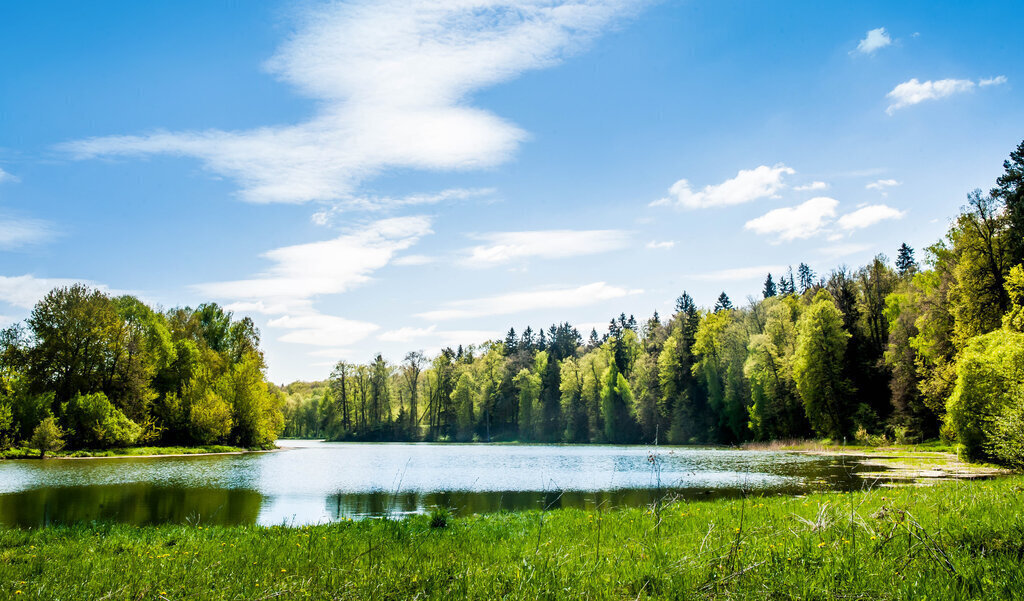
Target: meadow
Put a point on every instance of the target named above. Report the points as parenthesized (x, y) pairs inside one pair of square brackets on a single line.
[(951, 540)]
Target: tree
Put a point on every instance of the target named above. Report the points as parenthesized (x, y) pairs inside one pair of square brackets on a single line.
[(905, 263), (723, 303), (818, 367), (806, 276), (462, 399), (769, 289), (1010, 191), (986, 403), (47, 437), (528, 385), (617, 407)]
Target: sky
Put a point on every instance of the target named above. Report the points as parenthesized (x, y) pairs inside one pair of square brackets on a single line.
[(387, 176)]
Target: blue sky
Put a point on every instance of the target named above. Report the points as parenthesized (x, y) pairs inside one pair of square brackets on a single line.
[(389, 176)]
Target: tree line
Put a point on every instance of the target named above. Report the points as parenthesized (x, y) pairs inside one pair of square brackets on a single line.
[(92, 370), (905, 351)]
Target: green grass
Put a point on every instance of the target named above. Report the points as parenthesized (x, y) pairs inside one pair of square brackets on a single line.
[(954, 540), (27, 453)]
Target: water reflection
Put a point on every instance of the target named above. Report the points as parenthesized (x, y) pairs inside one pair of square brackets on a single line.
[(319, 482), (138, 504)]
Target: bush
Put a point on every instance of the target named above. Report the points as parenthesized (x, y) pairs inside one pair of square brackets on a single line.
[(985, 411), (47, 436), (96, 422)]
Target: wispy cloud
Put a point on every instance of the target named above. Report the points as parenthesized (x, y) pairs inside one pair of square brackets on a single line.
[(17, 231), (747, 186), (303, 271), (392, 82), (664, 245), (914, 92), (439, 337), (322, 330), (329, 214), (6, 176), (24, 291), (811, 186), (868, 216), (414, 260), (842, 250), (873, 41), (503, 247), (739, 273), (518, 302), (882, 184), (801, 221)]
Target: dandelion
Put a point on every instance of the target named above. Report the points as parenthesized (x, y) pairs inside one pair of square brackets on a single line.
[(821, 544)]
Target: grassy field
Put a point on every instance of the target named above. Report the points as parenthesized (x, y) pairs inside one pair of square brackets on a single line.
[(27, 453), (953, 540)]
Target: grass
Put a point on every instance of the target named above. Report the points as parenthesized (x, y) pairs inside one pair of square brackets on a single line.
[(27, 453), (954, 540)]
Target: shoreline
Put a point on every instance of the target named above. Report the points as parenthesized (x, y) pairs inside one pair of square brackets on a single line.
[(146, 456)]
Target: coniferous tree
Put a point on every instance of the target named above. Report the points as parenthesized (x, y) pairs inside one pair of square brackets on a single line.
[(806, 276), (905, 263), (1010, 190), (769, 289), (723, 303)]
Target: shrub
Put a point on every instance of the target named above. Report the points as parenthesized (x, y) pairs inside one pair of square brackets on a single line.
[(985, 410), (96, 422), (47, 436)]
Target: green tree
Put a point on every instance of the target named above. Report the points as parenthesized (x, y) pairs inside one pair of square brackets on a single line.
[(47, 437), (528, 385), (617, 407), (818, 367), (988, 396), (462, 399), (1010, 191), (769, 289)]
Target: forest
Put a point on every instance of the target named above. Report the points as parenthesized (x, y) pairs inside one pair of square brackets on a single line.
[(902, 352), (88, 370)]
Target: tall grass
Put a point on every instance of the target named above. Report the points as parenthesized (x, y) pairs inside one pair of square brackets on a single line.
[(954, 540)]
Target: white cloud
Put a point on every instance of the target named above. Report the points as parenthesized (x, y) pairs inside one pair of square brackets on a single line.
[(992, 81), (24, 291), (303, 271), (6, 176), (439, 337), (665, 245), (407, 334), (842, 250), (392, 81), (747, 186), (913, 92), (413, 260), (874, 40), (503, 247), (882, 184), (329, 214), (322, 330), (17, 231), (518, 302), (868, 216), (739, 273), (811, 186), (791, 223)]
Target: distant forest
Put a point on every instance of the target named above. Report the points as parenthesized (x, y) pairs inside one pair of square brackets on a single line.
[(903, 351)]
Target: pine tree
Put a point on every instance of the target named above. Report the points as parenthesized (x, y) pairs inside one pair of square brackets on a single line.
[(769, 289), (806, 276), (905, 263), (723, 303), (511, 343), (1010, 190)]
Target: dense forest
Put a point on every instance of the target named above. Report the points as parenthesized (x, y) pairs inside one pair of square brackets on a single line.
[(93, 371), (906, 352), (903, 352)]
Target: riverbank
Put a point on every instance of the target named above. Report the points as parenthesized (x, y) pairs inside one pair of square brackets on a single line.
[(954, 540), (27, 453), (897, 464)]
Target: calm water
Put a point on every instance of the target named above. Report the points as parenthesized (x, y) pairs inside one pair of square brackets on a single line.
[(314, 482)]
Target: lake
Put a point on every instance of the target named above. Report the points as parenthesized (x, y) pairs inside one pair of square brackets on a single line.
[(313, 482)]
